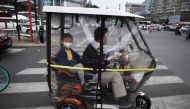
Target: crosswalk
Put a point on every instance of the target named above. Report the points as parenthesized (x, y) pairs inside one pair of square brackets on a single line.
[(166, 90), (11, 51)]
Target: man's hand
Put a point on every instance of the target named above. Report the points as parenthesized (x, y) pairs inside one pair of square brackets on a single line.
[(115, 58)]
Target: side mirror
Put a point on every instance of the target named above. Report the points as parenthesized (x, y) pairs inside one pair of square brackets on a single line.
[(130, 48)]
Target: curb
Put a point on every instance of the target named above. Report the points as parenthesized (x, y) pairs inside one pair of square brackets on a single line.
[(28, 46)]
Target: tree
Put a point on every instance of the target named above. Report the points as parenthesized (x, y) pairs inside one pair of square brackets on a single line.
[(90, 5)]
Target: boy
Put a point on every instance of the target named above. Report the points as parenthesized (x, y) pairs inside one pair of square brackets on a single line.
[(66, 56)]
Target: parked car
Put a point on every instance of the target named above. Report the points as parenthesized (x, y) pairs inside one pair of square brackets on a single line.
[(184, 29), (5, 41), (172, 27)]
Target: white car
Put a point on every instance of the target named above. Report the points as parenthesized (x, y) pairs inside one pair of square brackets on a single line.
[(184, 29)]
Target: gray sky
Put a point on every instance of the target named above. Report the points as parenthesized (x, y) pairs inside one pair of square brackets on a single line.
[(114, 4)]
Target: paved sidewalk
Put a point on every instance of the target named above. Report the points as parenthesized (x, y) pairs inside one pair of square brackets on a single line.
[(26, 42)]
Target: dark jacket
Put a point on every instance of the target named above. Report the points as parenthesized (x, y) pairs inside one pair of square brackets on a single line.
[(91, 58), (61, 58)]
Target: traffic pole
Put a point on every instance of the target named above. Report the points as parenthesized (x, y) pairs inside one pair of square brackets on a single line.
[(30, 20)]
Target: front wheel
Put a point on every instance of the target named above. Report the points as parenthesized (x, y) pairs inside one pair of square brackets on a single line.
[(4, 79), (143, 102)]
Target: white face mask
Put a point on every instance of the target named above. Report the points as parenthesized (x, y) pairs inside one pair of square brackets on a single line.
[(67, 44)]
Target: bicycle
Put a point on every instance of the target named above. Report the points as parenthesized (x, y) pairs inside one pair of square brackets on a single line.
[(4, 78)]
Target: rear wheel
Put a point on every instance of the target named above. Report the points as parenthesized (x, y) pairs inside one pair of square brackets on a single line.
[(4, 79), (67, 105), (143, 102), (72, 102)]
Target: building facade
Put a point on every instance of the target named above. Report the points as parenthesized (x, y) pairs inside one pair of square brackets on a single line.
[(173, 10), (148, 6), (69, 3), (135, 8)]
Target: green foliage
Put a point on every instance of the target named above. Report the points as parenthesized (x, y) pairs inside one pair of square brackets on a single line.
[(89, 5), (20, 6)]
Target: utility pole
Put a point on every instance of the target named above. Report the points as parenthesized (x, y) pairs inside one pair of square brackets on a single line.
[(119, 6), (174, 10)]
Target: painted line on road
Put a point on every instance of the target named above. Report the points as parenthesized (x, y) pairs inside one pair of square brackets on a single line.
[(42, 61), (26, 87), (33, 71), (42, 86), (44, 107), (12, 51), (171, 102), (161, 67), (45, 60), (157, 80), (15, 50)]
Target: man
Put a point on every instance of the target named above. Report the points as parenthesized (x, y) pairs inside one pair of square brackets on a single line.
[(91, 58), (188, 34)]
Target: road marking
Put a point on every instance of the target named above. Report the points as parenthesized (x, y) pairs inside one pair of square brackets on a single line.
[(26, 87), (107, 106), (32, 71), (171, 102), (42, 86), (45, 60), (42, 61), (161, 67), (12, 51), (45, 107), (15, 50), (158, 80)]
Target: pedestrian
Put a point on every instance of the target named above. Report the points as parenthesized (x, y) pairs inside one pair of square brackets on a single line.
[(68, 57), (188, 34)]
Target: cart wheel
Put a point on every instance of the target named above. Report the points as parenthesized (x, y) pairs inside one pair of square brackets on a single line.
[(143, 102), (67, 105), (72, 102)]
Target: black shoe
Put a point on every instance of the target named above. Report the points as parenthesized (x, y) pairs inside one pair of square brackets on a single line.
[(123, 102)]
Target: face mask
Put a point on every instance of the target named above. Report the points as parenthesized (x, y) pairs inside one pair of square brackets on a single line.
[(67, 44)]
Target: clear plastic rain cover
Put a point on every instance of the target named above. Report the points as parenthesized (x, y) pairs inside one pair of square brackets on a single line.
[(122, 50)]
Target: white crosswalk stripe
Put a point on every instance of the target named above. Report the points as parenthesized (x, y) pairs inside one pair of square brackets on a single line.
[(42, 61), (42, 86), (26, 87), (161, 67), (12, 51), (45, 61), (33, 71)]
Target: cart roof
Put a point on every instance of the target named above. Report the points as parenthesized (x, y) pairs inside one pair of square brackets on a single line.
[(88, 11)]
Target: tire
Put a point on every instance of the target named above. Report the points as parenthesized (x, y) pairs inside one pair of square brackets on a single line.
[(28, 31), (143, 102), (67, 105), (72, 105), (4, 79)]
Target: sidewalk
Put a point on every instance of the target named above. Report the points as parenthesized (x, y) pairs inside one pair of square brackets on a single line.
[(26, 42)]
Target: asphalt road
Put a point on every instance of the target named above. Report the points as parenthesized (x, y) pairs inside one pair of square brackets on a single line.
[(173, 51), (28, 88)]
